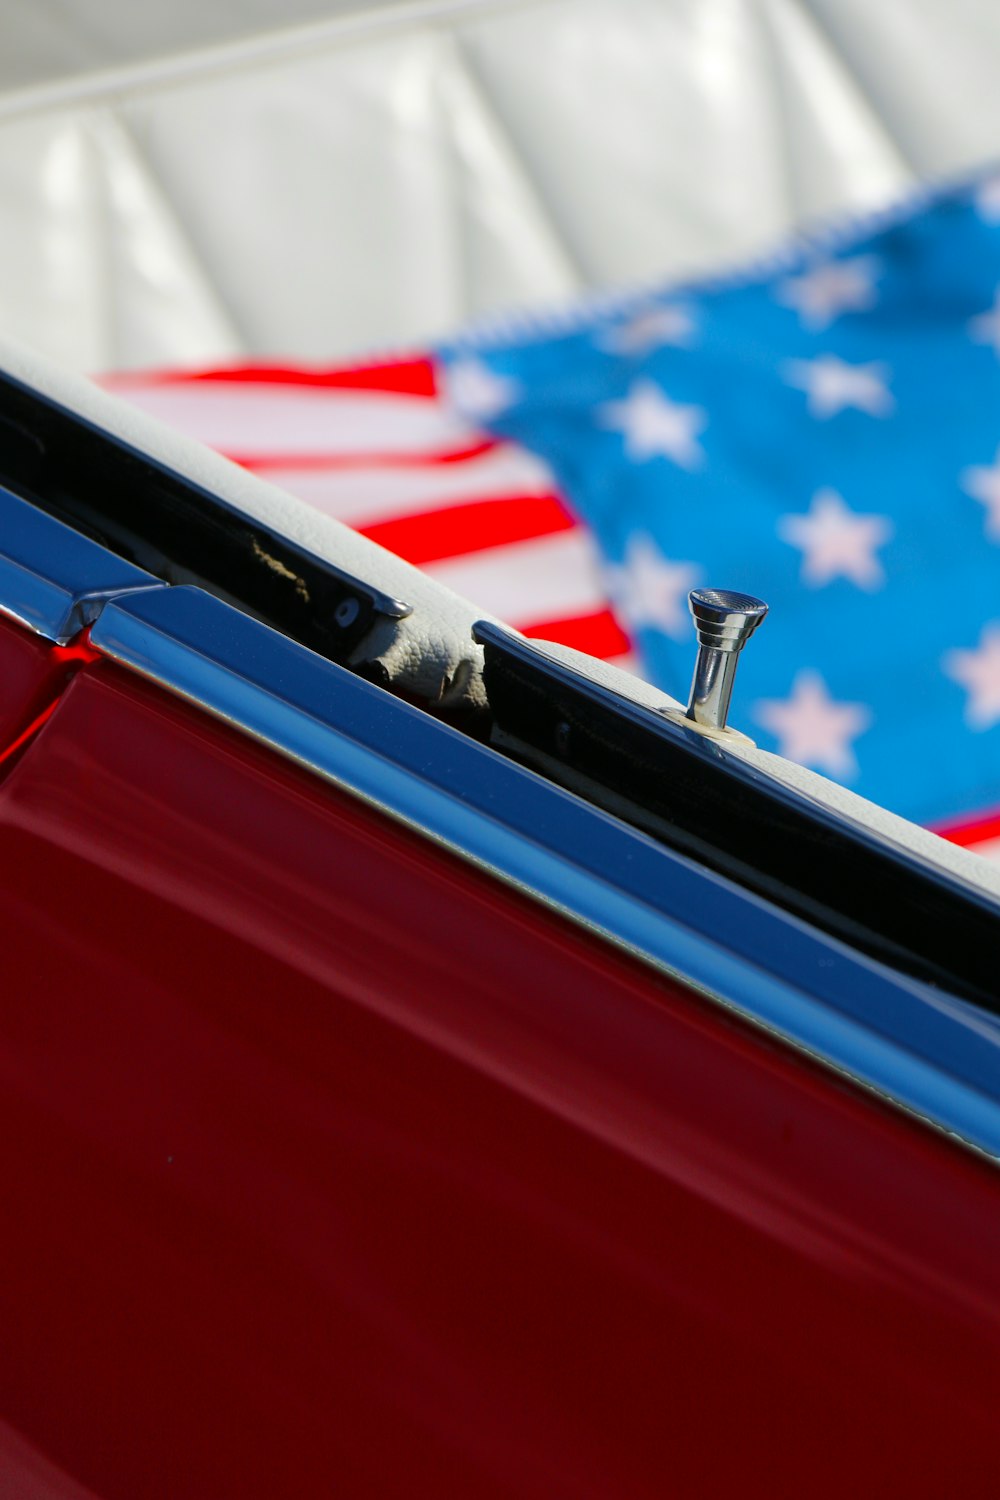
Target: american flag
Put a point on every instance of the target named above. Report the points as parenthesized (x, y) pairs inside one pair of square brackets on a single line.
[(804, 365), (821, 430)]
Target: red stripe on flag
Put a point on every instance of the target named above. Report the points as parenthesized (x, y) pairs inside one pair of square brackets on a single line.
[(411, 377), (974, 831), (598, 634), (473, 526), (311, 462)]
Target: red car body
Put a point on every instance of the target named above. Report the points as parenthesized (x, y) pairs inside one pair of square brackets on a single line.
[(331, 1164)]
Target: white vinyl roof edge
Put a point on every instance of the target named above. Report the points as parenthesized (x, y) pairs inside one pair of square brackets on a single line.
[(262, 48)]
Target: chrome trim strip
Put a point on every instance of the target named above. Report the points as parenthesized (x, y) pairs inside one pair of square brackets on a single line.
[(936, 1057), (52, 579)]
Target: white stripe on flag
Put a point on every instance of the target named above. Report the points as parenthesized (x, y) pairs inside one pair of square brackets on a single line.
[(361, 495), (547, 578), (627, 663), (281, 420), (989, 848)]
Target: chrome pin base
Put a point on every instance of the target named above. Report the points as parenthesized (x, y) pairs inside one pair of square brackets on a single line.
[(723, 622)]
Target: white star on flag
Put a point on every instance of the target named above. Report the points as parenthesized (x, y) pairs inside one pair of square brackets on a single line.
[(812, 728), (478, 392), (651, 591), (988, 200), (832, 384), (819, 296), (982, 482), (836, 542), (979, 673), (653, 426), (985, 327), (650, 328)]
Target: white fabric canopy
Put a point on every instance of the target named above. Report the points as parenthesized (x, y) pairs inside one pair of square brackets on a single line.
[(309, 179)]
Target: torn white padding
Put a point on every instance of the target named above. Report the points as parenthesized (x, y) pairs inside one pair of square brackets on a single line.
[(431, 653)]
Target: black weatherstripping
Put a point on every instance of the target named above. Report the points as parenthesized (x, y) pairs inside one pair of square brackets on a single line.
[(688, 792), (179, 532)]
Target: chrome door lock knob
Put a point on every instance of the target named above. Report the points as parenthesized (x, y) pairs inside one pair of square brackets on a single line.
[(723, 622)]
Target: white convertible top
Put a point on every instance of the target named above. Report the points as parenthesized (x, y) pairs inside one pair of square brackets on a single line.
[(194, 182)]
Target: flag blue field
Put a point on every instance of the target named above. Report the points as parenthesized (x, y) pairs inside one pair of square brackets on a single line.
[(825, 433)]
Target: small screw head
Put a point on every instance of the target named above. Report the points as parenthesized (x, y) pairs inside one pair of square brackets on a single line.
[(347, 612)]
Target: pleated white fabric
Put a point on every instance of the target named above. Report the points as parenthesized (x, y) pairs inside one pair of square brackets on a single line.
[(312, 179)]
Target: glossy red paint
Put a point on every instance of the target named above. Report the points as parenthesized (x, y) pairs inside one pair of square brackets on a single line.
[(33, 676), (27, 675), (331, 1167), (26, 1474)]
